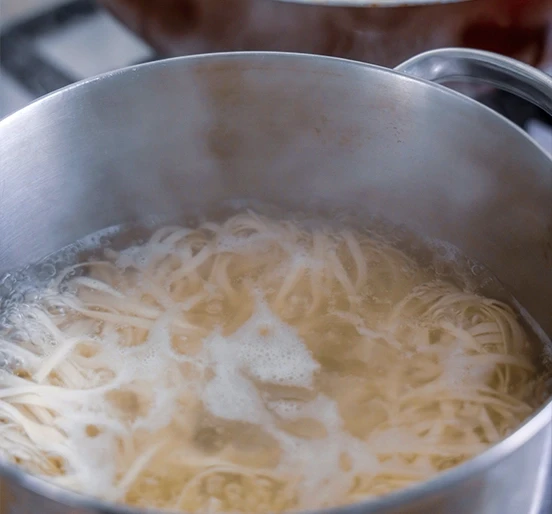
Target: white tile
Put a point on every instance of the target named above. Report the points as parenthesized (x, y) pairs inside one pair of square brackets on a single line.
[(12, 96), (91, 46)]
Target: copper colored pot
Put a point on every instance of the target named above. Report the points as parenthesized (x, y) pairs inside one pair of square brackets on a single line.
[(385, 36)]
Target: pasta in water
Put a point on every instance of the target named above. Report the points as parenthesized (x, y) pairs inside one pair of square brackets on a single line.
[(256, 365)]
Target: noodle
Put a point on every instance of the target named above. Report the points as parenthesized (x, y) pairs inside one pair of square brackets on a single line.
[(257, 366)]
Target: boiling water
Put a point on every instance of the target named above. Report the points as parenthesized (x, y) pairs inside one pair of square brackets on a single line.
[(247, 377)]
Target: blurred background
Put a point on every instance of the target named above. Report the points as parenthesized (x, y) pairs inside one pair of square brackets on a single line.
[(48, 44)]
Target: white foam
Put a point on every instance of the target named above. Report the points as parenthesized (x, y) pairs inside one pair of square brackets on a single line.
[(243, 244), (266, 350), (141, 257), (317, 460), (287, 409), (459, 370), (229, 395), (161, 412), (273, 352)]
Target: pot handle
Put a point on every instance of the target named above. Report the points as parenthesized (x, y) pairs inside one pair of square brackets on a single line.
[(447, 64)]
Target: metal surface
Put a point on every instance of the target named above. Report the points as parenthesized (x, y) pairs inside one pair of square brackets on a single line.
[(446, 65), (175, 136)]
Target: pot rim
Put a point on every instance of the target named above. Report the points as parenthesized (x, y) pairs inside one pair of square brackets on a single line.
[(438, 483), (261, 55)]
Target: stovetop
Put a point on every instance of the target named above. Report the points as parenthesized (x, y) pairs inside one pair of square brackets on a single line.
[(58, 46), (75, 40)]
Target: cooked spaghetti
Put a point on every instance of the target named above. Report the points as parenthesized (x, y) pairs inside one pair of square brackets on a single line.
[(256, 365)]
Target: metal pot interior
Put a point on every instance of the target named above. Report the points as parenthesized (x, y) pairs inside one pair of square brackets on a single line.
[(180, 136)]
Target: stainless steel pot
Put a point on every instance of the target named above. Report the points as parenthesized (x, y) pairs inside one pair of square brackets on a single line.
[(171, 137)]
